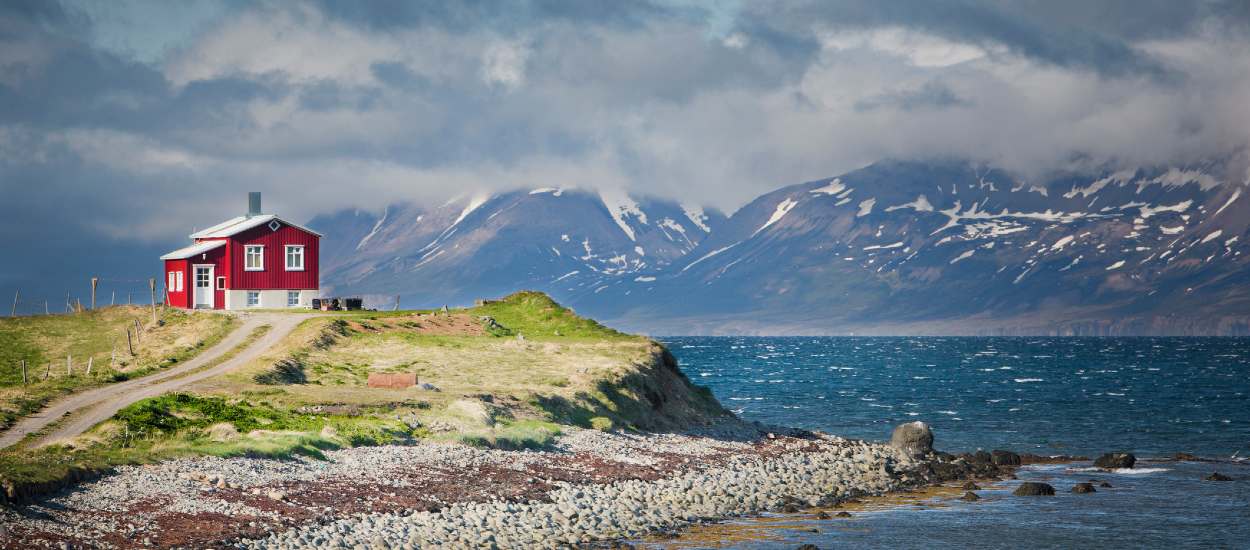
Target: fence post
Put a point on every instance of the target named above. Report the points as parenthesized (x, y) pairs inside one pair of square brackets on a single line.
[(129, 344), (48, 372), (138, 327), (23, 372), (95, 282), (152, 287), (90, 361), (16, 295), (69, 365)]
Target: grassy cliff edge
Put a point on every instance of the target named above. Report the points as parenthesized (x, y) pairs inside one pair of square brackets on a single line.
[(506, 374)]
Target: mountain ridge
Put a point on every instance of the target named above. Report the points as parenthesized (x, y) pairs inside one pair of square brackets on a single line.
[(897, 247)]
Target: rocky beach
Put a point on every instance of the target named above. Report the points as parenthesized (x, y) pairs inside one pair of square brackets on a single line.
[(588, 487)]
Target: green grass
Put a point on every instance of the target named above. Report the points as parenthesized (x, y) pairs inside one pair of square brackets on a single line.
[(536, 315), (43, 342)]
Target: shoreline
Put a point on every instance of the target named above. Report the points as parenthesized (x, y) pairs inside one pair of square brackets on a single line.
[(589, 486)]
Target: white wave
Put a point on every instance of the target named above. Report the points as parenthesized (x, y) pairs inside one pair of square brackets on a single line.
[(1123, 471), (1027, 380)]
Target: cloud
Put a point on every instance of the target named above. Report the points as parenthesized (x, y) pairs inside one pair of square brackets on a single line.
[(327, 104)]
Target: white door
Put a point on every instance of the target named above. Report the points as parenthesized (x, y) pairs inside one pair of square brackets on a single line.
[(204, 286)]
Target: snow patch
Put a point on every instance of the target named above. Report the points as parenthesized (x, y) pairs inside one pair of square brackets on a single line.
[(566, 275), (708, 255), (620, 206), (865, 208), (555, 191), (964, 256), (836, 186), (1121, 177), (1214, 235), (884, 246), (644, 279), (1116, 265), (385, 212), (783, 208), (697, 217), (1059, 244), (921, 204), (1236, 194)]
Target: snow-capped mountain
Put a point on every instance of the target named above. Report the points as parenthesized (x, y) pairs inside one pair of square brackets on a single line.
[(896, 247), (568, 242), (906, 247)]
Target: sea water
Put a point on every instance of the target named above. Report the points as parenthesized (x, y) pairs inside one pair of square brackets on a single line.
[(1049, 396)]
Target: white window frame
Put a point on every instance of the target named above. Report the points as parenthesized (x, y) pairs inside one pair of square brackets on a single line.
[(221, 282), (292, 294), (247, 253), (287, 257), (178, 281), (248, 298), (172, 284)]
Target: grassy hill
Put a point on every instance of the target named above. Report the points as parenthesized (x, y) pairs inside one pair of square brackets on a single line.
[(508, 374), (47, 343)]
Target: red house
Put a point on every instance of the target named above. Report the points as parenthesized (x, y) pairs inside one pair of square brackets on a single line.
[(253, 261)]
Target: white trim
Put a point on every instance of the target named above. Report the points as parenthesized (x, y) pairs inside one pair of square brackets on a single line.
[(212, 291), (220, 282), (178, 280), (243, 223), (286, 257), (247, 249)]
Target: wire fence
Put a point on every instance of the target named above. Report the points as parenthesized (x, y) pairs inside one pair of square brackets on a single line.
[(95, 292)]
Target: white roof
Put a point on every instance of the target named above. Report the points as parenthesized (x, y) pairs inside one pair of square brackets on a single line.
[(197, 248), (243, 223)]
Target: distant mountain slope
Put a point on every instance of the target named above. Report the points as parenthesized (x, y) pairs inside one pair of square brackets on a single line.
[(906, 247), (567, 242), (894, 248)]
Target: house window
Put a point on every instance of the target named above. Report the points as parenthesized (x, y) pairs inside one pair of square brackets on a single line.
[(253, 298), (221, 283), (292, 298), (178, 281), (171, 284), (254, 257), (295, 257)]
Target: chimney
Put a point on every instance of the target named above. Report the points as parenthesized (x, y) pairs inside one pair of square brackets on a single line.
[(253, 204)]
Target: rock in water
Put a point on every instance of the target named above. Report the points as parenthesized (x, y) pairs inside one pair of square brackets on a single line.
[(913, 437), (1105, 485), (971, 486), (1083, 488), (970, 497), (1005, 458), (1033, 489), (1216, 476), (1112, 461)]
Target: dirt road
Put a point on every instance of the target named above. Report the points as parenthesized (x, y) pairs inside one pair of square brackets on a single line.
[(83, 410)]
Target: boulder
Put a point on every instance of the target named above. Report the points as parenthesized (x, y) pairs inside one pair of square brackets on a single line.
[(914, 438), (1105, 485), (982, 457), (1081, 488), (971, 486), (1111, 461), (1005, 458), (1033, 489), (970, 497), (1216, 476), (843, 514)]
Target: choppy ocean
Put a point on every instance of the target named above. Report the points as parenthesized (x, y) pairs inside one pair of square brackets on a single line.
[(1074, 396)]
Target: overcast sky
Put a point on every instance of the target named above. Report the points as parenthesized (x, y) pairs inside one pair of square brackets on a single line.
[(136, 120)]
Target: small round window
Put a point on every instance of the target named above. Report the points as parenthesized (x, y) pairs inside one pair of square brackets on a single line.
[(274, 225)]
